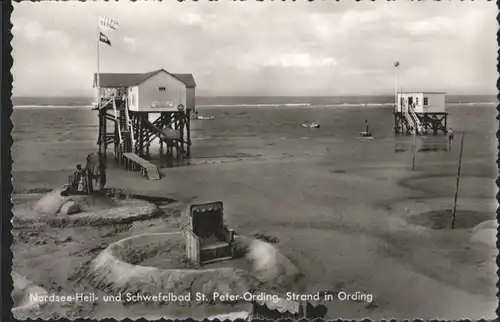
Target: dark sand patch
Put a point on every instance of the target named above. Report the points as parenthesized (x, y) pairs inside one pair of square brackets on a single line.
[(170, 254), (122, 194), (436, 213), (445, 185), (338, 171), (442, 218)]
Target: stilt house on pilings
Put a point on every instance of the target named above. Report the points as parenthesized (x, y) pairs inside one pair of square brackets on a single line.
[(420, 113), (128, 100)]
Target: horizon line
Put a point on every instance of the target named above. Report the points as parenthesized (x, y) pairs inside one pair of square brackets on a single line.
[(248, 95)]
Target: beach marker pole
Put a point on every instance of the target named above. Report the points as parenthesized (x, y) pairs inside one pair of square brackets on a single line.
[(396, 65), (453, 221), (414, 150)]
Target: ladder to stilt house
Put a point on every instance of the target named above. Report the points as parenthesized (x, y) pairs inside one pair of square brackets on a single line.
[(409, 121), (117, 120), (175, 124), (418, 125), (156, 129), (150, 136), (129, 125)]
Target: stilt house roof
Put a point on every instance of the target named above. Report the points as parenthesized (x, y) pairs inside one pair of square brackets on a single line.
[(114, 80)]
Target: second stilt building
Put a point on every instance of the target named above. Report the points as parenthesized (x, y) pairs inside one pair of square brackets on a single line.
[(420, 113)]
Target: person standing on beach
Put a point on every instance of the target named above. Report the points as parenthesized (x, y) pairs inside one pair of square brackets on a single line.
[(366, 127), (450, 137), (79, 178)]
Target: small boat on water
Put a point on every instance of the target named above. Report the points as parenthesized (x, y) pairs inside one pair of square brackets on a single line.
[(366, 135), (311, 125), (209, 118)]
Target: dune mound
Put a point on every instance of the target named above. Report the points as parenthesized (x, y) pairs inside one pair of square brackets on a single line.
[(113, 271), (52, 202), (57, 209), (116, 215), (485, 225), (270, 265), (486, 236), (120, 268), (26, 297)]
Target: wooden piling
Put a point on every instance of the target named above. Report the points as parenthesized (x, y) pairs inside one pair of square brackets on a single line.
[(188, 133), (453, 221)]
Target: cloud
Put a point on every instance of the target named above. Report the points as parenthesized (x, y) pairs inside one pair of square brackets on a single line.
[(129, 41), (364, 72), (431, 27), (300, 60), (260, 47), (324, 26), (190, 18), (37, 34), (354, 18)]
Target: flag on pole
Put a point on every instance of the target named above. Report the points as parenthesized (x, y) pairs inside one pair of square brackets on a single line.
[(108, 24), (104, 39)]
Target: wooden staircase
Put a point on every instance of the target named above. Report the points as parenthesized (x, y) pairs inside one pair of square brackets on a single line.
[(134, 162), (153, 173)]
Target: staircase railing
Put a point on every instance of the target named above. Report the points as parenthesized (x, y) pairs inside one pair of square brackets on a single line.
[(129, 123), (408, 118), (117, 119), (107, 102), (150, 136), (418, 124)]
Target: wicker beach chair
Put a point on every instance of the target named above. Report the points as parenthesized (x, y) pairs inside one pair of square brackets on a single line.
[(207, 237)]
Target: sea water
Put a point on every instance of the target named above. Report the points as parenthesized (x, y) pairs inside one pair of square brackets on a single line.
[(57, 134)]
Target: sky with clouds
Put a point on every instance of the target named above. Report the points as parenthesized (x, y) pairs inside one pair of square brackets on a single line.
[(261, 48)]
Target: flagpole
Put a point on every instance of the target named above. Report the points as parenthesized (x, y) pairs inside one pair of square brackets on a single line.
[(98, 76), (102, 134)]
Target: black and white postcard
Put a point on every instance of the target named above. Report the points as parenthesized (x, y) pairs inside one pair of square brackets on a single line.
[(254, 159)]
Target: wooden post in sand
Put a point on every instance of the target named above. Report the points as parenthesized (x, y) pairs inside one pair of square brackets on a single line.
[(414, 150), (458, 181)]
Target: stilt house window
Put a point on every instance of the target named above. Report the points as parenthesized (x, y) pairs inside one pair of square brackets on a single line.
[(426, 101)]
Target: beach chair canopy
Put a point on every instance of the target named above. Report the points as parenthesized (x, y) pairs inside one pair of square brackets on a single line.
[(207, 219)]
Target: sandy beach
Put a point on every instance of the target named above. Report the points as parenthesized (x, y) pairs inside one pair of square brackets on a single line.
[(340, 213)]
